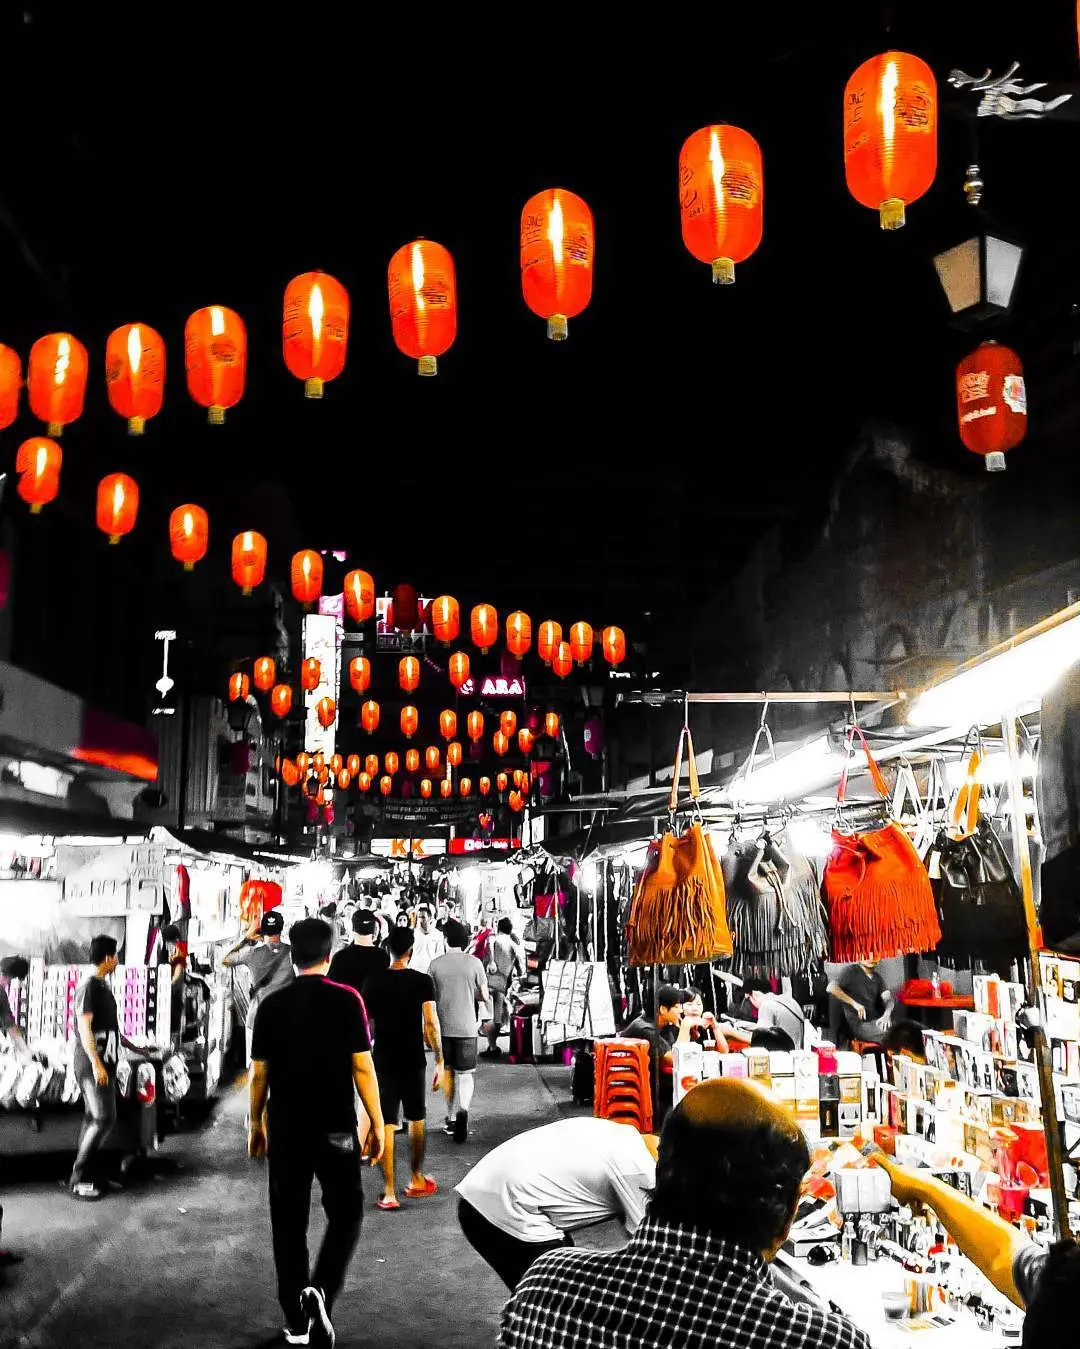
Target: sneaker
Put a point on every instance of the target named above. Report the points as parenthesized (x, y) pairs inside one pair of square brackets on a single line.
[(86, 1189), (461, 1126), (314, 1305), (449, 1128)]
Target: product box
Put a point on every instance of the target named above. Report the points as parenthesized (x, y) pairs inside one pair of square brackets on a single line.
[(849, 1118), (757, 1066), (851, 1088), (783, 1086), (733, 1065)]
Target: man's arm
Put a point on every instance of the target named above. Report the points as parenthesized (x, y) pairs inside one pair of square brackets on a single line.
[(433, 1039), (86, 1038), (367, 1084), (231, 956), (258, 1086), (842, 995)]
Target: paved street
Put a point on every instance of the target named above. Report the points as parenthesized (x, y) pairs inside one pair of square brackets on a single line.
[(186, 1260)]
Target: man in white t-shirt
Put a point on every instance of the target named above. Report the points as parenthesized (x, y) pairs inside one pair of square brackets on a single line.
[(527, 1195), (428, 941)]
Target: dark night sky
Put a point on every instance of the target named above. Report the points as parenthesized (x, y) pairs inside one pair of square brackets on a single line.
[(148, 173)]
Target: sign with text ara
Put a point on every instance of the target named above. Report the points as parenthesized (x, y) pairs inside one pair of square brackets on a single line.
[(465, 847), (495, 686)]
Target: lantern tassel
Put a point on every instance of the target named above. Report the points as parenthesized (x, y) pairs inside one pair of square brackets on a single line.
[(313, 387), (136, 426), (557, 328), (891, 212)]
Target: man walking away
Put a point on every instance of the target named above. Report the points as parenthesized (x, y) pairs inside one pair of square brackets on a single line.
[(268, 962), (311, 1046), (430, 943), (97, 1051), (354, 964), (401, 1004), (507, 958), (460, 987)]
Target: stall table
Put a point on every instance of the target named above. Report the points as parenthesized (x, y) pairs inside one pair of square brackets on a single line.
[(957, 1002)]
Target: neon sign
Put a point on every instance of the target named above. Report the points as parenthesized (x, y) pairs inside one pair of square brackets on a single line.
[(496, 687)]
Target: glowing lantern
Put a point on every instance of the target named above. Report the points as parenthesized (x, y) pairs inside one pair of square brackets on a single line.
[(117, 505), (485, 786), (448, 723), (581, 642), (37, 463), (189, 535), (518, 633), (371, 764), (453, 753), (359, 596), (551, 725), (303, 761), (423, 302), (404, 608), (360, 674), (484, 623), (352, 763), (446, 787), (310, 674), (326, 710), (508, 722), (281, 700), (445, 619), (890, 134), (369, 715), (431, 758), (410, 720), (412, 761), (459, 669), (56, 380), (135, 374), (425, 788), (721, 187), (306, 574), (516, 802), (386, 785), (391, 762), (562, 662), (10, 385), (525, 740), (290, 774), (613, 644), (501, 742), (336, 763), (408, 673), (501, 782), (991, 402), (315, 329), (475, 725), (265, 673), (518, 777), (215, 354), (248, 560), (465, 786), (319, 761), (558, 242), (363, 781), (547, 643), (344, 777), (239, 687)]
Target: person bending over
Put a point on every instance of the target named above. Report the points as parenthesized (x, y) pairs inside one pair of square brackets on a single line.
[(772, 1037)]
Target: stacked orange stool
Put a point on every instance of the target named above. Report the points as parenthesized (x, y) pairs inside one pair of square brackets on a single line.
[(623, 1091)]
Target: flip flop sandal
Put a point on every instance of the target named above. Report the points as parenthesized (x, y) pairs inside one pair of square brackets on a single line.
[(425, 1191), (388, 1205)]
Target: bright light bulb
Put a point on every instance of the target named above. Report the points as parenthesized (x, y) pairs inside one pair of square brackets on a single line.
[(315, 312), (418, 275), (249, 542), (716, 158), (42, 461), (134, 350), (217, 321), (306, 564), (63, 360), (555, 231)]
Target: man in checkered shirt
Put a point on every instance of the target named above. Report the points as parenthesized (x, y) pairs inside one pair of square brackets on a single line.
[(695, 1274)]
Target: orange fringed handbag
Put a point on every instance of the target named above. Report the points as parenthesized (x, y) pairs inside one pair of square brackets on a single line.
[(877, 892), (678, 915)]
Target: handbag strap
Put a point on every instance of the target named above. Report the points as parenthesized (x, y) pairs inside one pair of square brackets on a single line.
[(875, 772), (695, 786), (965, 811)]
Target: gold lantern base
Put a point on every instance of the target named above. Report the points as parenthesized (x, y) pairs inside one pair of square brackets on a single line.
[(313, 387), (723, 272), (35, 508), (557, 327), (891, 212), (136, 426), (114, 539), (215, 414), (995, 462), (189, 566), (54, 429), (427, 365)]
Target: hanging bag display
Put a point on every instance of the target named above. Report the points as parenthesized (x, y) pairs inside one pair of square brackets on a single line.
[(877, 892), (678, 914)]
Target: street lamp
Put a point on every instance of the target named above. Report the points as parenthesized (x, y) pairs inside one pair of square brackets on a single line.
[(978, 274)]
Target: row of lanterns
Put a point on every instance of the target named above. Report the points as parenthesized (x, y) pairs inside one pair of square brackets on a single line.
[(890, 159), (319, 775)]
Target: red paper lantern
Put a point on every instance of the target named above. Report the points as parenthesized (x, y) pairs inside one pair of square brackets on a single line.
[(326, 710), (344, 777), (448, 723), (290, 774), (189, 535), (336, 763), (721, 188), (445, 619), (508, 722), (363, 781), (391, 762), (117, 505), (281, 700), (360, 674), (518, 777), (518, 633), (37, 463), (551, 725), (485, 786), (475, 725), (56, 380), (412, 761), (386, 785), (890, 134), (525, 740), (423, 302), (581, 642), (459, 669), (501, 742), (310, 674), (352, 763), (10, 385), (431, 758), (369, 715), (408, 673), (248, 560), (315, 329), (215, 354), (501, 782), (446, 788), (465, 786), (371, 765), (425, 788), (135, 373), (613, 643), (562, 662), (453, 753), (516, 802), (547, 643), (557, 246), (991, 402), (359, 596), (265, 672), (239, 687), (319, 761), (306, 575), (404, 613), (303, 761), (410, 720), (484, 623)]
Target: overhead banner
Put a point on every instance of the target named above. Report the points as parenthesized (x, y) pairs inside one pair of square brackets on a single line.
[(415, 811), (464, 847)]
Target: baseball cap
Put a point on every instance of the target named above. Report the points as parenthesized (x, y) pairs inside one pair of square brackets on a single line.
[(272, 924), (365, 923)]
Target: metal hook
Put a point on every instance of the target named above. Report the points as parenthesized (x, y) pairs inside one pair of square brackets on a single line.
[(764, 710), (686, 710)]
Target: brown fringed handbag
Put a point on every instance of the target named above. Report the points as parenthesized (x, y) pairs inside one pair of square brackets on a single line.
[(678, 914)]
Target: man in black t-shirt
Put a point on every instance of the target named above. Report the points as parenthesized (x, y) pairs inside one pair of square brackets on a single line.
[(401, 1003), (670, 1025), (97, 1051), (353, 964), (311, 1046)]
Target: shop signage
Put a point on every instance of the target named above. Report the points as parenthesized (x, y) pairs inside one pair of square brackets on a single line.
[(417, 811), (496, 686), (465, 847), (115, 878), (415, 848)]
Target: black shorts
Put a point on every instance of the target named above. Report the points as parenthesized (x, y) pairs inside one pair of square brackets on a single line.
[(459, 1052), (401, 1091)]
